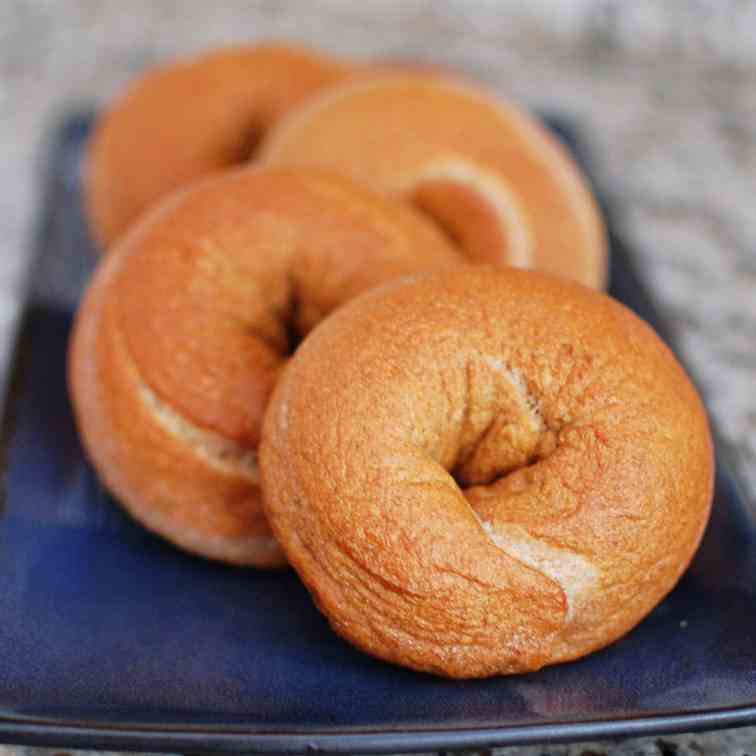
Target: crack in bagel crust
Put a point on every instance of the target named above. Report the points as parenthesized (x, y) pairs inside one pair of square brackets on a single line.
[(577, 576), (91, 393), (222, 453)]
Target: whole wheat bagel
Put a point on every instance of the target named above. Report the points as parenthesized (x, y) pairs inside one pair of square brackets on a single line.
[(493, 178), (508, 470), (187, 119), (185, 326)]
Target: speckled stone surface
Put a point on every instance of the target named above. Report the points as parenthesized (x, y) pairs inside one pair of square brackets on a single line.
[(666, 90)]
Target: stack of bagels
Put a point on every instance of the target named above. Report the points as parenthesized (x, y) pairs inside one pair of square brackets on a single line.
[(348, 317)]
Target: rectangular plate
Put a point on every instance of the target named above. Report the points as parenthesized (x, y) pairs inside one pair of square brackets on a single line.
[(111, 638)]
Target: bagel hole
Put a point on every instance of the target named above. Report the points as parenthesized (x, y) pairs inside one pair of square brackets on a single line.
[(518, 474), (511, 435), (464, 217), (243, 146), (490, 498), (298, 317), (248, 145), (443, 225), (290, 318)]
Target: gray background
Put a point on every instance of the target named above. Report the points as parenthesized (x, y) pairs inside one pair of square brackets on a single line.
[(667, 91)]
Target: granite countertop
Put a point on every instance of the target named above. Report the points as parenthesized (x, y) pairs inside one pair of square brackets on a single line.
[(666, 91)]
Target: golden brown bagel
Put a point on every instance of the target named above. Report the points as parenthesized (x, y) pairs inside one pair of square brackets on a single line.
[(185, 326), (485, 471), (487, 172), (190, 118)]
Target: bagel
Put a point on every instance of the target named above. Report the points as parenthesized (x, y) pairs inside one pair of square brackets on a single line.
[(489, 174), (486, 471), (186, 324), (184, 120)]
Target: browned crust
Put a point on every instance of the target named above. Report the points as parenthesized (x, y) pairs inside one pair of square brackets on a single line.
[(183, 331), (198, 502), (391, 131), (582, 461), (184, 120)]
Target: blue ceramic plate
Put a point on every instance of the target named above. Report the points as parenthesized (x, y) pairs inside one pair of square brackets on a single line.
[(111, 638)]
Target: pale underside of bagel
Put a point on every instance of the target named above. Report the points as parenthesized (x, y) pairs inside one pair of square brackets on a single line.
[(509, 471)]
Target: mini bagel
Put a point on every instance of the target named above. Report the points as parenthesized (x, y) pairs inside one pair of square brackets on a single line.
[(182, 121), (489, 174), (185, 326), (509, 470)]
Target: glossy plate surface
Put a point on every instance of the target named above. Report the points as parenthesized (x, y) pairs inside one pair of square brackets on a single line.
[(111, 638)]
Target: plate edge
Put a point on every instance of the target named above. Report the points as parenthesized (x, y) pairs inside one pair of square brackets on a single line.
[(110, 737)]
